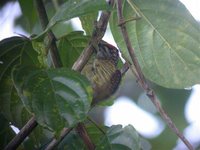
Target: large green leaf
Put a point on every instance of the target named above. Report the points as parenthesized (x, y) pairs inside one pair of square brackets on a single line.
[(16, 114), (14, 51), (166, 41), (118, 138), (58, 97), (71, 46)]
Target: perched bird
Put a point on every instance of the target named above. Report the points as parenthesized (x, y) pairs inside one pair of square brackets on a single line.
[(101, 70)]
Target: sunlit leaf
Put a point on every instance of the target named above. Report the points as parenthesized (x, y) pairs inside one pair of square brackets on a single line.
[(166, 40)]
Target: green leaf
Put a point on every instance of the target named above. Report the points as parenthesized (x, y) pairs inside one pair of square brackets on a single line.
[(29, 19), (10, 104), (16, 114), (94, 133), (16, 50), (72, 9), (166, 41), (72, 142), (62, 29), (87, 22), (58, 97), (118, 138), (71, 46), (42, 52), (38, 139)]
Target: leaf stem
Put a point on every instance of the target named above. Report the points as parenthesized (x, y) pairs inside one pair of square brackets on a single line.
[(142, 81)]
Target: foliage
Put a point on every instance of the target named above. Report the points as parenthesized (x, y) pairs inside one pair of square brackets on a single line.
[(166, 40), (165, 37)]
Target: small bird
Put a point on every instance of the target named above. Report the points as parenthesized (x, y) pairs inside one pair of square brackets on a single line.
[(101, 70)]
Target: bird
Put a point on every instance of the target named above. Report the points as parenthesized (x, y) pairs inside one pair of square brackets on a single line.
[(101, 70)]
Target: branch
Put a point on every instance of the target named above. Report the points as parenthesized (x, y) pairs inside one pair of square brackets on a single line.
[(31, 124), (141, 79), (24, 132), (81, 130), (98, 33), (52, 39), (55, 142)]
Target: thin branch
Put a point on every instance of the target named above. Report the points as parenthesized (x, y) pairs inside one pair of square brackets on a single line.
[(98, 33), (97, 126), (52, 39), (81, 130), (55, 142), (141, 79), (24, 132), (31, 124)]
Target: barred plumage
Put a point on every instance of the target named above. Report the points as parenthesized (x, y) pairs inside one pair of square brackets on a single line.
[(102, 71)]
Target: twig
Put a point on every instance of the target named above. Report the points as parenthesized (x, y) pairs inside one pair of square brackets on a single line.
[(128, 20), (55, 142), (99, 31), (150, 93), (97, 126), (24, 132), (83, 134), (52, 39), (31, 124), (98, 34)]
